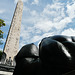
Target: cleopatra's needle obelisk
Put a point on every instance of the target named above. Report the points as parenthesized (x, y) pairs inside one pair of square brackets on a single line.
[(12, 43)]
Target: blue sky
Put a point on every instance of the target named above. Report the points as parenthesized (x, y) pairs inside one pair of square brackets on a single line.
[(41, 18)]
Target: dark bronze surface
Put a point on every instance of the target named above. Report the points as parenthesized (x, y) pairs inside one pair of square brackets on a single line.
[(55, 56)]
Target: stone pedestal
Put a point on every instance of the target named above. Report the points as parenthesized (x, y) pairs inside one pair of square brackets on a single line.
[(5, 73)]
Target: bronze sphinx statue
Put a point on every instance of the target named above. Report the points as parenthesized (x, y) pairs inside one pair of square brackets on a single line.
[(55, 56)]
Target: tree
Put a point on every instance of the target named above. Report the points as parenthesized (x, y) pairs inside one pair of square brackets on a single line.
[(1, 32)]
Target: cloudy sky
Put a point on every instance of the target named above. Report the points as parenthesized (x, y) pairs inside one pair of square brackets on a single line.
[(41, 18)]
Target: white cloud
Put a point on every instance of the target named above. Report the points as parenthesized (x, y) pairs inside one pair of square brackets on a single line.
[(51, 21), (24, 0), (55, 1), (40, 37), (73, 0), (35, 2), (44, 25), (55, 10), (56, 17), (33, 39), (69, 32), (33, 16), (2, 11), (24, 33), (34, 13), (53, 16), (71, 10), (26, 9)]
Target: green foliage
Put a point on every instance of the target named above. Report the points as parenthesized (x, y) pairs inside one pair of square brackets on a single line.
[(1, 32), (1, 25), (0, 54)]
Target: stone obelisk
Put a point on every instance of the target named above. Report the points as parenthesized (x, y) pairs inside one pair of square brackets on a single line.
[(12, 42)]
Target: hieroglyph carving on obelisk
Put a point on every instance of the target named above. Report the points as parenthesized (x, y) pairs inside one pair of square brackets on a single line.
[(12, 42)]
